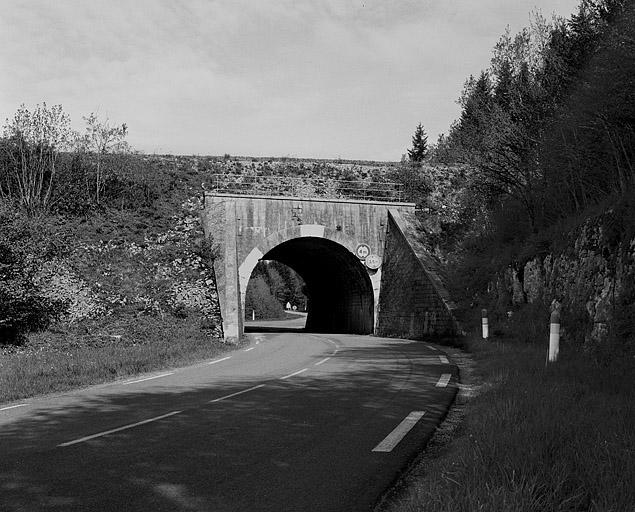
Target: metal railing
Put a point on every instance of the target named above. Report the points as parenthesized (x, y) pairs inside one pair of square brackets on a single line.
[(309, 186)]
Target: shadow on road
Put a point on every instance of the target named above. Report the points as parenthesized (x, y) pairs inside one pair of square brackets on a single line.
[(290, 445)]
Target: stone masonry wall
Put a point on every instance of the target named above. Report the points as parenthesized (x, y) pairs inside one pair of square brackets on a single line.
[(413, 302)]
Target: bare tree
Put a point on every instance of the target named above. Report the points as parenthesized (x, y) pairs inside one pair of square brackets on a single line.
[(101, 139)]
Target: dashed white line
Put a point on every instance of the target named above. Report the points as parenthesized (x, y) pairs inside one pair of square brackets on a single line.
[(13, 407), (294, 373), (235, 394), (322, 361), (219, 360), (444, 360), (125, 427), (400, 431), (444, 380), (147, 378), (431, 347), (250, 348)]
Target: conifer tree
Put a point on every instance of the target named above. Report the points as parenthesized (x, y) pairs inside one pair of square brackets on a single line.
[(419, 145)]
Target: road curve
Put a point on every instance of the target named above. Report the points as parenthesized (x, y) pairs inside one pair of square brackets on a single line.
[(291, 422)]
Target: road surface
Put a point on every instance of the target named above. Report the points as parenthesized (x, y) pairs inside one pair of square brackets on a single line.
[(292, 422)]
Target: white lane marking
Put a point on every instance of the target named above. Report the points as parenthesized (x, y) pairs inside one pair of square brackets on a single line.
[(431, 347), (125, 427), (235, 394), (13, 407), (393, 439), (248, 349), (147, 378), (443, 380), (444, 360), (322, 361), (294, 373), (219, 360)]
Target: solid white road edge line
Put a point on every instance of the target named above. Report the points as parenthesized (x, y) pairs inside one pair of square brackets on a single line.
[(444, 360), (400, 431), (147, 378), (235, 394), (13, 407), (294, 373), (322, 361), (443, 380), (219, 360), (125, 427), (250, 348)]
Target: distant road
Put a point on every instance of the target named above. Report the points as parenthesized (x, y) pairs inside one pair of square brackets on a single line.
[(293, 422)]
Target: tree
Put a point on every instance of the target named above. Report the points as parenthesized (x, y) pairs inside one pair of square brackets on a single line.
[(33, 141), (419, 145), (101, 139)]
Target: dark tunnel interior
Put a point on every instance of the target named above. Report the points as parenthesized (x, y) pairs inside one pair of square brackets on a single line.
[(339, 290)]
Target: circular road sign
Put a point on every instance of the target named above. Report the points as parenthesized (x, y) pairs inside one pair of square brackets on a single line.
[(373, 261), (362, 251)]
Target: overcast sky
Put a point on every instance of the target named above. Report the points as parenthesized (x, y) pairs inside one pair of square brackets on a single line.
[(306, 78)]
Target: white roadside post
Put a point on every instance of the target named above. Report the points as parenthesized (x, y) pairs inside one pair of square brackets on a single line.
[(554, 337), (253, 314), (484, 323)]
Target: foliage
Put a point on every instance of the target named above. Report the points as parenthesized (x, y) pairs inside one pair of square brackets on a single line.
[(419, 149), (550, 123), (25, 244), (270, 287), (545, 140), (99, 140), (29, 152)]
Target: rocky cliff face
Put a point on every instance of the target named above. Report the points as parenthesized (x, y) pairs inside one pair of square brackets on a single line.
[(592, 281)]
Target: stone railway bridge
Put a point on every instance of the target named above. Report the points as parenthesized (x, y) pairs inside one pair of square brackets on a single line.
[(364, 268)]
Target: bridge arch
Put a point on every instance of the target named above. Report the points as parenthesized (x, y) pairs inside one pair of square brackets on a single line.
[(340, 291)]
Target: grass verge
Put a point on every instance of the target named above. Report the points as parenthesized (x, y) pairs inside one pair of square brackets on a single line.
[(532, 438), (53, 362)]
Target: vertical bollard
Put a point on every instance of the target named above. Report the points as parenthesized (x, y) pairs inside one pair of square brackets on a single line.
[(253, 314), (554, 337), (484, 323)]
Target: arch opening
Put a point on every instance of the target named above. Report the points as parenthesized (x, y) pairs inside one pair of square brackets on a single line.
[(273, 292), (338, 288)]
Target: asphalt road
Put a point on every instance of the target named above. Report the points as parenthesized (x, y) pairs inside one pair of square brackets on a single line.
[(293, 422)]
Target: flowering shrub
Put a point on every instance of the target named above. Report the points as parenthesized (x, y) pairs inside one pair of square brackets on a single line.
[(155, 274), (57, 283)]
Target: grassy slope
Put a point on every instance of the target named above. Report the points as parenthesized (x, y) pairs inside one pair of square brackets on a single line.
[(533, 438), (47, 368)]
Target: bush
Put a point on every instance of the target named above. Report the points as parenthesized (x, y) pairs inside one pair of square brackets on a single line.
[(25, 244)]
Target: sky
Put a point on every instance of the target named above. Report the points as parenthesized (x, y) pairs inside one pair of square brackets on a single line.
[(301, 78)]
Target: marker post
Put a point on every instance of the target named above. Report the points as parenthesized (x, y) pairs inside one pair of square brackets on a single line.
[(484, 323), (554, 337)]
